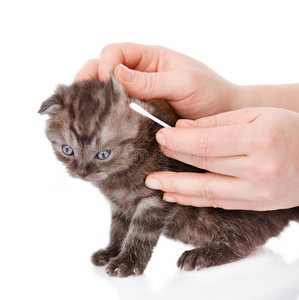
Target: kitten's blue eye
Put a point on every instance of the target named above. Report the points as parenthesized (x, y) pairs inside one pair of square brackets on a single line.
[(103, 154), (68, 150)]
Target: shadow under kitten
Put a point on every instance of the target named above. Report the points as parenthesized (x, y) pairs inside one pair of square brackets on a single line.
[(99, 139)]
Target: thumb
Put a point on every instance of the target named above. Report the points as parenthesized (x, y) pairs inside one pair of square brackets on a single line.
[(145, 85)]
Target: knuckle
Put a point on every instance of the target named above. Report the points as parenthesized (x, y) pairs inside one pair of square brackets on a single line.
[(162, 57), (273, 171), (107, 49), (204, 145), (113, 51), (173, 188), (193, 75), (148, 84), (91, 61), (270, 141), (268, 172), (267, 142), (213, 203), (190, 76), (213, 121), (206, 190), (200, 161), (210, 121), (265, 197), (159, 49), (171, 182)]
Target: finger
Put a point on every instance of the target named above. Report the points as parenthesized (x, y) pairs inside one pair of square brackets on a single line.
[(208, 202), (143, 85), (231, 165), (217, 141), (134, 56), (183, 123), (88, 71), (246, 115), (206, 185)]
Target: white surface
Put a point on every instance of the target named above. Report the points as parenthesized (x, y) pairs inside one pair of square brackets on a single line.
[(50, 223)]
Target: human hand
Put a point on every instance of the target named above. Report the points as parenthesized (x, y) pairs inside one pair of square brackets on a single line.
[(252, 155), (151, 72)]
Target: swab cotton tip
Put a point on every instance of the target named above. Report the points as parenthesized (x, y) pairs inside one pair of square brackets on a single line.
[(145, 113)]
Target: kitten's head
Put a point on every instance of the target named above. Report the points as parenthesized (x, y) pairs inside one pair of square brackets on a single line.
[(92, 129)]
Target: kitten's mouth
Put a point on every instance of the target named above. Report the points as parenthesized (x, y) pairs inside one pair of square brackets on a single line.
[(86, 177), (78, 175), (81, 174), (89, 177)]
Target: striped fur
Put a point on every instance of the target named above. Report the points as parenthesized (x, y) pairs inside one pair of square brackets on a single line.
[(93, 116)]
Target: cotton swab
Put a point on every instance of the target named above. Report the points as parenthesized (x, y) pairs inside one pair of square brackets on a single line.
[(145, 113)]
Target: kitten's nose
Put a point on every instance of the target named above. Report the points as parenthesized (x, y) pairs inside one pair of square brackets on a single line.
[(82, 173)]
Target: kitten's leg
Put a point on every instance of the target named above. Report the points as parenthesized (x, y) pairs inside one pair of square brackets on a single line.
[(226, 246), (236, 236), (119, 228), (211, 255), (142, 237)]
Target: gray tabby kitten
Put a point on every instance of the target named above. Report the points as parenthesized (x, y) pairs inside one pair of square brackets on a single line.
[(101, 140)]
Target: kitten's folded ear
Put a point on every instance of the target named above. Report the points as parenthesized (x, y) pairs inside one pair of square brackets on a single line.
[(55, 102), (117, 87)]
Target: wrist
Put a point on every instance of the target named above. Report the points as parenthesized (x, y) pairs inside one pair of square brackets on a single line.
[(282, 96), (245, 96), (257, 96)]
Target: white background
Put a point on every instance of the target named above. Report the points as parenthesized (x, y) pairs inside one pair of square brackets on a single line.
[(50, 223)]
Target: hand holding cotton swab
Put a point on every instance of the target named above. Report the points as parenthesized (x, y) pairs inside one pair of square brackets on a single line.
[(145, 113)]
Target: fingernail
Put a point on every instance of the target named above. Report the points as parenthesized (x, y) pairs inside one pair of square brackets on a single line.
[(187, 122), (169, 199), (126, 74), (153, 183), (160, 139)]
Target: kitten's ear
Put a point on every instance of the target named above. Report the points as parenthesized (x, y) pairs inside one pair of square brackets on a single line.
[(54, 103), (117, 87)]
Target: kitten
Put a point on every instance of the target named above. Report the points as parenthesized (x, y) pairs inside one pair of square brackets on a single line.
[(100, 139)]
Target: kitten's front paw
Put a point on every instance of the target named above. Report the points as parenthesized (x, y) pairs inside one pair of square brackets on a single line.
[(193, 259), (200, 258), (124, 267), (102, 257)]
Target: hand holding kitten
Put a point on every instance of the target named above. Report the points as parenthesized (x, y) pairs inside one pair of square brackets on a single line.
[(252, 157)]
